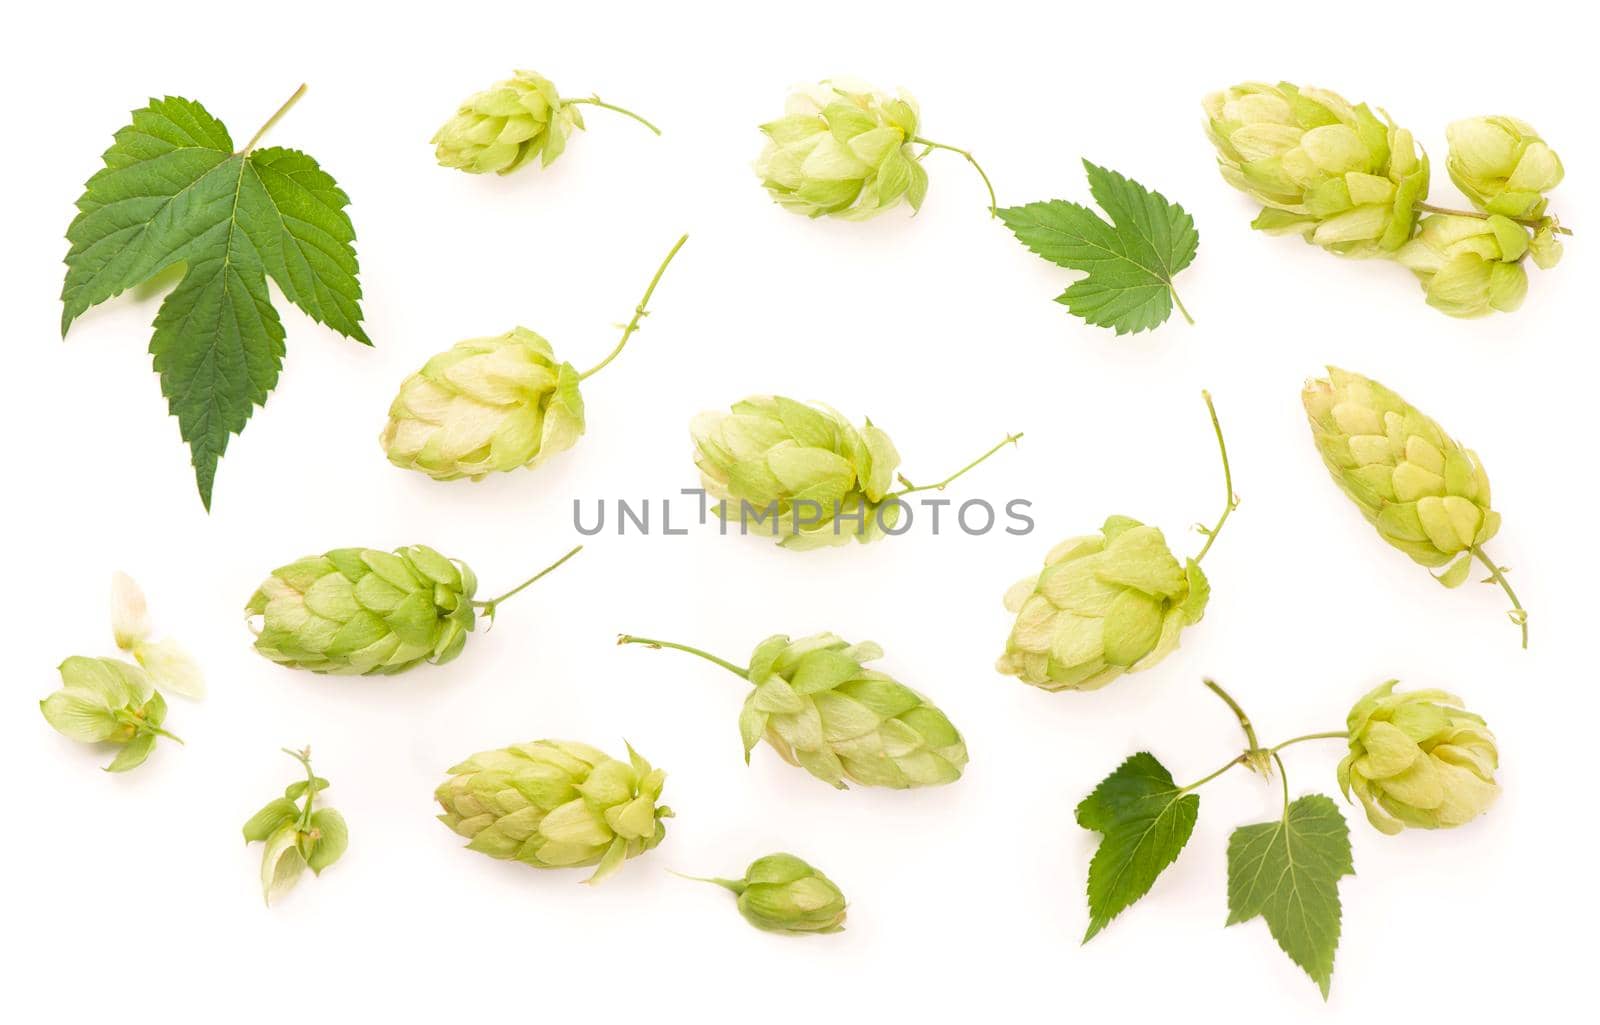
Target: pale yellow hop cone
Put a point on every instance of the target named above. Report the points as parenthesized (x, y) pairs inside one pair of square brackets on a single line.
[(1469, 266), (556, 804), (1502, 165), (1418, 759)]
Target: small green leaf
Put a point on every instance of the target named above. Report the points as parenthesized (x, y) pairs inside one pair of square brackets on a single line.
[(267, 821), (296, 790), (1129, 262), (1146, 821), (1288, 873), (332, 838)]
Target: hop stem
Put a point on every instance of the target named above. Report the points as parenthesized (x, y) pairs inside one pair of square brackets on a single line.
[(639, 312), (595, 101), (274, 119), (1010, 439), (1283, 777), (993, 204), (1330, 735), (304, 758), (1526, 222), (734, 886), (1244, 720), (652, 643), (1227, 481), (492, 604), (1518, 614)]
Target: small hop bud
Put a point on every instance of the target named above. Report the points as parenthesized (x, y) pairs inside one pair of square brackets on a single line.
[(1418, 759), (1502, 165), (781, 893)]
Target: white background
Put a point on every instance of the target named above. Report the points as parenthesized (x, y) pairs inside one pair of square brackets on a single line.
[(134, 896)]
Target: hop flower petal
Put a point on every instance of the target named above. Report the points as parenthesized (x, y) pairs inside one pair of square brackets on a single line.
[(556, 804), (1418, 759)]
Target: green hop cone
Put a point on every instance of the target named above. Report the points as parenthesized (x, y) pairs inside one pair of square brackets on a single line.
[(556, 804), (296, 837), (781, 893), (1425, 494), (821, 709), (1469, 266), (843, 149), (1502, 166), (802, 473), (510, 124), (365, 611), (494, 404), (1109, 603), (108, 701), (1337, 174), (1418, 759)]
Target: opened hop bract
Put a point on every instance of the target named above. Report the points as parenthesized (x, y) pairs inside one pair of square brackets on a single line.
[(512, 123), (168, 666), (296, 836), (781, 893), (819, 706), (802, 473), (556, 804), (1418, 759), (1426, 494), (366, 611), (494, 404), (844, 149), (1107, 604), (108, 701)]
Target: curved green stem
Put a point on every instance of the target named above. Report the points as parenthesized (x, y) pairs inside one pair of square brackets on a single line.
[(735, 886), (1179, 304), (1197, 784), (1244, 720), (993, 204), (1010, 439), (1526, 222), (1330, 735), (1283, 775), (1227, 480), (1519, 615), (651, 642), (274, 119), (304, 758), (639, 312), (492, 604), (595, 101)]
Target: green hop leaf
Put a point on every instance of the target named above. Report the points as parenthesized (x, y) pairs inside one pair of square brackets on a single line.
[(174, 191), (1130, 261), (1146, 820), (1288, 873)]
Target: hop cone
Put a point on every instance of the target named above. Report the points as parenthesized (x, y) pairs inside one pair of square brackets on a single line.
[(506, 126), (556, 804), (360, 610), (1418, 759), (843, 149), (1469, 266), (781, 893), (799, 471), (108, 701), (1335, 173), (1502, 165), (1105, 604), (485, 404)]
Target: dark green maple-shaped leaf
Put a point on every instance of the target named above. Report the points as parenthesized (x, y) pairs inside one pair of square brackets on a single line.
[(1130, 262), (1146, 819), (1288, 873), (174, 191)]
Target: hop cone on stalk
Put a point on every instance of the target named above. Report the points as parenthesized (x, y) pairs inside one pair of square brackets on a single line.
[(802, 472), (843, 149), (512, 123), (781, 893), (1502, 165), (1424, 493), (556, 804), (296, 837), (1418, 759), (108, 701), (1337, 174), (821, 709), (1108, 603), (494, 404), (1469, 266), (365, 611)]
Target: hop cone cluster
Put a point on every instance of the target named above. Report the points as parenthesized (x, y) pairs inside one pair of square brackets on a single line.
[(485, 404), (801, 472), (1334, 172), (781, 893), (363, 611), (1104, 605), (556, 804), (1418, 759), (108, 701), (843, 149), (506, 126)]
